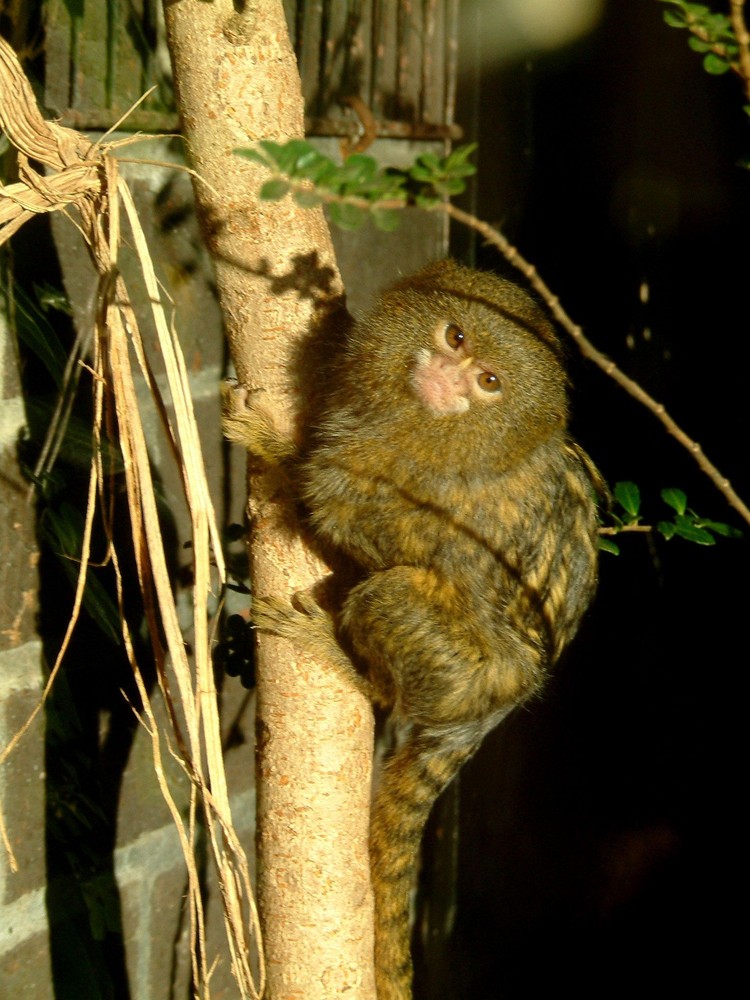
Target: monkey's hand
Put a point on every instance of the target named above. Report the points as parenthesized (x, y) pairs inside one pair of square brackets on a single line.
[(245, 421), (309, 628)]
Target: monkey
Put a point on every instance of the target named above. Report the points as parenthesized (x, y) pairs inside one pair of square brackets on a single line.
[(441, 466)]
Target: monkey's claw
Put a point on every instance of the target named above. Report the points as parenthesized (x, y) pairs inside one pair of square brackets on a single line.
[(310, 629)]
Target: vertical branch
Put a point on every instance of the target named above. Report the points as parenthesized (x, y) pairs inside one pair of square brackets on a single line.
[(237, 82), (737, 17)]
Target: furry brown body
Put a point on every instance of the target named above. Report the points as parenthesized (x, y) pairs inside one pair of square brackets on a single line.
[(442, 467)]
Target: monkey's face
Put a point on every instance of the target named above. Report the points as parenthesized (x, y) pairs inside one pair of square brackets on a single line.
[(453, 362), (487, 353), (449, 378)]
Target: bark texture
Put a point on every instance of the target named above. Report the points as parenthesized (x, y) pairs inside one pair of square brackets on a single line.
[(237, 82)]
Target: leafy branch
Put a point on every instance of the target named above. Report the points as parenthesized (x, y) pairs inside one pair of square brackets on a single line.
[(685, 522), (722, 40), (359, 188)]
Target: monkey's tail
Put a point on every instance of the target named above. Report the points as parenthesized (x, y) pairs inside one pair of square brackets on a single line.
[(412, 780)]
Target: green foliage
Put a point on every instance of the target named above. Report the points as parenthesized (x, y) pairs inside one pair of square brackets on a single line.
[(61, 527), (711, 34), (629, 497), (359, 188), (607, 545), (625, 513), (689, 525), (685, 523), (441, 177), (60, 522), (35, 330)]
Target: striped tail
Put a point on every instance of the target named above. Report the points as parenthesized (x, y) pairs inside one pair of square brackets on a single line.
[(412, 780)]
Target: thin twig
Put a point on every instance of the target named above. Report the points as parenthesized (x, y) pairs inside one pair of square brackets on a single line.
[(494, 237), (621, 529), (606, 364)]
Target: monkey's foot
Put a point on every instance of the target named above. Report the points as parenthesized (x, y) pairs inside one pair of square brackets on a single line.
[(310, 629)]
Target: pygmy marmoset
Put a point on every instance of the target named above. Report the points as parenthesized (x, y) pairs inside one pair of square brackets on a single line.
[(442, 466)]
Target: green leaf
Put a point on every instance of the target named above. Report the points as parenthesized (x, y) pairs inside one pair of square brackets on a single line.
[(380, 190), (698, 44), (675, 499), (320, 170), (386, 219), (314, 166), (307, 199), (347, 216), (673, 19), (667, 528), (252, 154), (76, 444), (430, 162), (273, 150), (393, 193), (607, 545), (286, 156), (39, 335), (422, 175), (460, 155), (719, 27), (725, 530), (296, 153), (275, 189), (715, 65), (467, 170), (628, 496), (396, 178), (692, 533), (63, 530), (359, 167), (426, 200), (311, 155), (450, 186), (456, 164)]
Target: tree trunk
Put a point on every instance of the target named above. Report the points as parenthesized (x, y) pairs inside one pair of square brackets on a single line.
[(237, 81)]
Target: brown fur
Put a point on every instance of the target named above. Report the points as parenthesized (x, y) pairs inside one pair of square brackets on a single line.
[(475, 532)]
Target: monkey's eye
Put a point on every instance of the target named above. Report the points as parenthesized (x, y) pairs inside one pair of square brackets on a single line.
[(488, 382), (454, 336)]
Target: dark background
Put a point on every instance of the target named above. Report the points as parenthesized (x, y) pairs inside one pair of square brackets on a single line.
[(598, 852)]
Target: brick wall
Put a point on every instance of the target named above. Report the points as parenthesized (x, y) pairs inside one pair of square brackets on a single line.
[(96, 907)]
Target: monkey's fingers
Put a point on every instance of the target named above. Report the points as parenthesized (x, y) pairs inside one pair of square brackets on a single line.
[(305, 601), (245, 421), (310, 629), (274, 616)]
